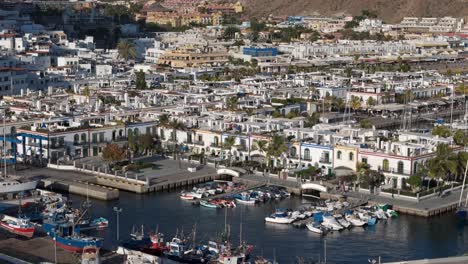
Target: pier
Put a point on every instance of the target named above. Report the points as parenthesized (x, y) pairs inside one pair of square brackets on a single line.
[(88, 189)]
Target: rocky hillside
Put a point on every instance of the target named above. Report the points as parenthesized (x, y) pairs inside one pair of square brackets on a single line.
[(388, 10)]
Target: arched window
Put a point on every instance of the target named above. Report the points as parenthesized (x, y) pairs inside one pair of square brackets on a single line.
[(339, 154), (120, 133), (114, 134), (76, 138), (307, 154), (385, 165), (351, 156), (293, 152), (216, 141), (401, 167), (415, 167), (136, 131)]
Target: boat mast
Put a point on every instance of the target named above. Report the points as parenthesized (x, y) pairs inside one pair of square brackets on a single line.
[(463, 187)]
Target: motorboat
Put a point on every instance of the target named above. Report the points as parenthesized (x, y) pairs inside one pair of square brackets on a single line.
[(316, 228), (354, 220), (331, 223), (280, 217), (342, 221), (16, 186)]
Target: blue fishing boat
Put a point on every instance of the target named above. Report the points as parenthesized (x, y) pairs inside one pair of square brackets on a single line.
[(67, 236)]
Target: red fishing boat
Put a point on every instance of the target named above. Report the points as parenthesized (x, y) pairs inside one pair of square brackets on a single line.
[(20, 226)]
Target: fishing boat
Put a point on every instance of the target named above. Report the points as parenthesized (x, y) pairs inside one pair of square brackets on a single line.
[(90, 255), (62, 229), (20, 226), (100, 223), (177, 251), (316, 228), (280, 217), (152, 244), (138, 257), (208, 204), (331, 223)]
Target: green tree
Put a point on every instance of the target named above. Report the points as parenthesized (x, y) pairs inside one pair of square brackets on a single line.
[(262, 146), (460, 159), (460, 137), (231, 103), (126, 50), (140, 80), (355, 103), (132, 142), (164, 120), (371, 102), (415, 182), (461, 89), (441, 131), (230, 32), (338, 104), (442, 166), (276, 147), (365, 123), (312, 119)]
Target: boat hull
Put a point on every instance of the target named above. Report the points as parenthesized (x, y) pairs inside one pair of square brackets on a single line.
[(26, 232), (18, 187), (75, 245)]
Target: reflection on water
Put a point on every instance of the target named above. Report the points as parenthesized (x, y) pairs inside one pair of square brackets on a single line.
[(403, 238)]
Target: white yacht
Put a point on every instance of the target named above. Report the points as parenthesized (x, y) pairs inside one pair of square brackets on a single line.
[(14, 186)]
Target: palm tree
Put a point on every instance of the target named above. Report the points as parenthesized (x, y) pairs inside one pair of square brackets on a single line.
[(126, 50), (228, 143), (355, 103), (164, 120), (276, 147), (338, 104), (460, 159), (262, 146), (442, 166), (231, 103)]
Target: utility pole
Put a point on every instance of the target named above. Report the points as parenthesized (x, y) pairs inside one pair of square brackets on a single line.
[(117, 211), (325, 251)]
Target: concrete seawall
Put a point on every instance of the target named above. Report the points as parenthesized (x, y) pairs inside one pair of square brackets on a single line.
[(79, 188)]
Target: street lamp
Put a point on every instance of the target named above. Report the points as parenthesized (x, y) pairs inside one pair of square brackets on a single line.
[(117, 211), (3, 110)]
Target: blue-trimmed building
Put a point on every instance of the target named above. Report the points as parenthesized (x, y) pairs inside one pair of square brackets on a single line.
[(260, 52)]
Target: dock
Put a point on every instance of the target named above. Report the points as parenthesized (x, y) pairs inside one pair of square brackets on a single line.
[(41, 250), (449, 260), (89, 189)]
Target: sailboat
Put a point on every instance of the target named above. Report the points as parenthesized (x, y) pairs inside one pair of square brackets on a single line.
[(462, 211)]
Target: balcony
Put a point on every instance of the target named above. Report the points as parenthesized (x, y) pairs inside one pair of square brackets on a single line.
[(199, 143), (241, 147), (215, 145), (325, 161), (395, 172)]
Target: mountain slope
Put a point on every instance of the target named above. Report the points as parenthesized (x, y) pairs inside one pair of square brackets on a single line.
[(388, 10)]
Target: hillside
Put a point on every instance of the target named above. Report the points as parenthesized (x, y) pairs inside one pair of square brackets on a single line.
[(388, 10)]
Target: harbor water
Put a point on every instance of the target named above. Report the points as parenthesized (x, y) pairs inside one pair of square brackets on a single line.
[(403, 238)]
